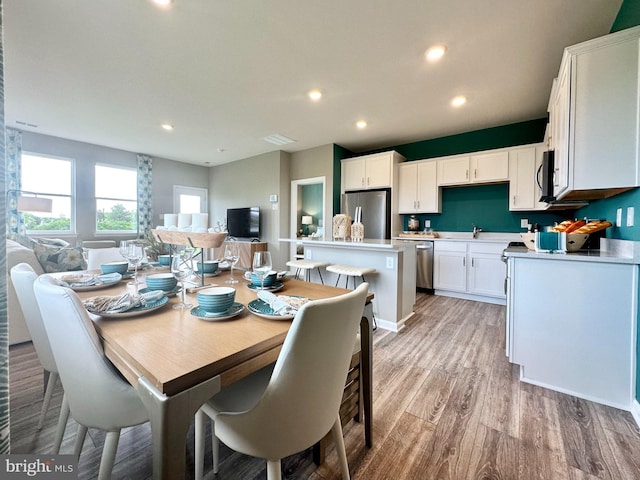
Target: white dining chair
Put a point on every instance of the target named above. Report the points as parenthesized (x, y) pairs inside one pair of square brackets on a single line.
[(97, 394), (98, 256), (274, 414), (23, 278)]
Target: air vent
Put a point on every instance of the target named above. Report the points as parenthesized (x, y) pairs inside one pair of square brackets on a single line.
[(277, 139)]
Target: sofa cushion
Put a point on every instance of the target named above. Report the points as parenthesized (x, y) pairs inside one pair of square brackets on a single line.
[(29, 242), (55, 258)]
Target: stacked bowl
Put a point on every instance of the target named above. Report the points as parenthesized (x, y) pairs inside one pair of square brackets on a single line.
[(115, 267), (216, 299), (161, 281), (269, 279)]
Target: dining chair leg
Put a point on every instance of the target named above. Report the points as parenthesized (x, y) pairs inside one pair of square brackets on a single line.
[(62, 424), (338, 439), (215, 448), (109, 454), (80, 436), (274, 470), (199, 441), (51, 384)]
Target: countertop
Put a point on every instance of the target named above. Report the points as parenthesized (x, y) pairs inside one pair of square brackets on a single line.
[(490, 237), (367, 243), (612, 251)]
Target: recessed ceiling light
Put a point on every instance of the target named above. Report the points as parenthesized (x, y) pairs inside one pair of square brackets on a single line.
[(315, 95), (167, 126), (458, 101), (361, 124), (162, 3), (435, 53)]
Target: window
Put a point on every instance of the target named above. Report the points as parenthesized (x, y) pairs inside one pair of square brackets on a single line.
[(49, 177), (116, 199), (189, 199)]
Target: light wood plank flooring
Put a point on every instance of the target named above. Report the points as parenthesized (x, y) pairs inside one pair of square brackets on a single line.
[(447, 405)]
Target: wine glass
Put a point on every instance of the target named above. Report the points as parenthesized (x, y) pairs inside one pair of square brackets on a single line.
[(135, 254), (182, 268), (261, 265), (232, 256), (124, 249)]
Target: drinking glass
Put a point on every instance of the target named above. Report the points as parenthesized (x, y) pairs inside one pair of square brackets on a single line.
[(182, 268), (124, 249), (135, 254), (262, 265), (232, 256)]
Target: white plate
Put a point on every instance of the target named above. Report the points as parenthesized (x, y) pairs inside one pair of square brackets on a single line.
[(202, 314), (134, 312), (98, 286)]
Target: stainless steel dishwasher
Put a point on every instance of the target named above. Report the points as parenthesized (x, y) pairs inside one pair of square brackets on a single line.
[(424, 261)]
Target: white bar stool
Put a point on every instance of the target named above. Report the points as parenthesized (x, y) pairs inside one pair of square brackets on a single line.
[(353, 272), (307, 266)]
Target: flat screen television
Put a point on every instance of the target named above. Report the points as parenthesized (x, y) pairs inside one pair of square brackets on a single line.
[(243, 222)]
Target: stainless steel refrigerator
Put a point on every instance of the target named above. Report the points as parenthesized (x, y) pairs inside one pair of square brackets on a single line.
[(376, 211)]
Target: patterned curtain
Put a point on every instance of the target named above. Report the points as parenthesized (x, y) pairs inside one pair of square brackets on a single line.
[(15, 222), (145, 208)]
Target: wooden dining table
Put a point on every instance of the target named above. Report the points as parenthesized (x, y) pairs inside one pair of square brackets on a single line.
[(178, 361)]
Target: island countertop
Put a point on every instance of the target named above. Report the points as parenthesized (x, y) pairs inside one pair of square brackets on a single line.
[(367, 243)]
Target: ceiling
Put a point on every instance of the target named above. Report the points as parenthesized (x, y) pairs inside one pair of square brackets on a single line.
[(227, 73)]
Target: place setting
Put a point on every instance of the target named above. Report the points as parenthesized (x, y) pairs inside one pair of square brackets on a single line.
[(163, 282), (217, 303), (126, 305)]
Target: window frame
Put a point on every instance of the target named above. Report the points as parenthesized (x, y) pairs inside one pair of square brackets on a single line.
[(72, 195), (96, 198)]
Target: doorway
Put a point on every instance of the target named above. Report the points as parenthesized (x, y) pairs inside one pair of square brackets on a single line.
[(308, 211)]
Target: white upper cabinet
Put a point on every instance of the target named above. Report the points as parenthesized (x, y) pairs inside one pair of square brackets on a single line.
[(369, 171), (524, 192), (417, 188), (485, 167), (594, 117), (490, 167)]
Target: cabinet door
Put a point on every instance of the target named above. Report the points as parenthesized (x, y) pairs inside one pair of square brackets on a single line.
[(490, 167), (560, 131), (407, 188), (453, 171), (353, 174), (523, 191), (487, 273), (378, 170), (450, 271), (428, 195)]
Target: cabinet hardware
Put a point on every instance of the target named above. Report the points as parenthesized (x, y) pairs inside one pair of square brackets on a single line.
[(475, 173), (464, 261), (466, 174)]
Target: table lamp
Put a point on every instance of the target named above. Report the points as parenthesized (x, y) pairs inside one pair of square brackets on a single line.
[(306, 221)]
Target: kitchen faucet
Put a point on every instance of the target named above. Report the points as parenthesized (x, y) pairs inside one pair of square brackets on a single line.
[(476, 231)]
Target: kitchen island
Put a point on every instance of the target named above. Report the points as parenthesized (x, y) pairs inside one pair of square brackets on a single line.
[(393, 284), (571, 320)]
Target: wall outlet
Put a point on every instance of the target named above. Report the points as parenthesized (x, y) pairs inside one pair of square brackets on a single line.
[(427, 223), (389, 262), (619, 217), (630, 216), (524, 222), (274, 206)]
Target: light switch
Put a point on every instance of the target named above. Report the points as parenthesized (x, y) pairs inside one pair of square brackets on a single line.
[(524, 222), (619, 217), (630, 216), (427, 223)]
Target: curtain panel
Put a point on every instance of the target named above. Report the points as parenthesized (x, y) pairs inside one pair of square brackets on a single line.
[(13, 160), (145, 208)]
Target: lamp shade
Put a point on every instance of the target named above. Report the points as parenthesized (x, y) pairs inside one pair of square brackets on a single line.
[(307, 220), (34, 204)]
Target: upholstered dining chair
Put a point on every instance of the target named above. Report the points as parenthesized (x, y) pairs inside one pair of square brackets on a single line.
[(98, 395), (273, 414), (23, 278), (98, 256)]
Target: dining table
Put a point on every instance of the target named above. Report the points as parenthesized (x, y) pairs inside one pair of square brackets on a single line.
[(177, 360)]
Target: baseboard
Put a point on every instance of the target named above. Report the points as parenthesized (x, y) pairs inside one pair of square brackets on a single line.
[(469, 296), (389, 325), (635, 411)]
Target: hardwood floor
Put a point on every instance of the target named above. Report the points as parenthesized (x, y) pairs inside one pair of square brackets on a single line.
[(447, 405)]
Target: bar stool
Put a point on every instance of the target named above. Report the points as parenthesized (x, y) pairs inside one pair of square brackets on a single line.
[(307, 266), (353, 272)]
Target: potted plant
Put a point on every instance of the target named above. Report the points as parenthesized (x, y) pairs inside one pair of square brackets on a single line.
[(154, 248)]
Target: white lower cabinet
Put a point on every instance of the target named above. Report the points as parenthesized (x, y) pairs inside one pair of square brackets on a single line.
[(473, 268), (571, 326)]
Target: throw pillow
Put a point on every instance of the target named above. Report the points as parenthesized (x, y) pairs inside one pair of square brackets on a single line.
[(59, 259)]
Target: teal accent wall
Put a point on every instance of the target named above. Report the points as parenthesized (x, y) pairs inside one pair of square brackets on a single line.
[(311, 203), (628, 15)]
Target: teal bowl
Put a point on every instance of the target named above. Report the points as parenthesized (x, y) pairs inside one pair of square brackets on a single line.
[(161, 281), (210, 266), (269, 279), (216, 299), (115, 267), (164, 260)]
